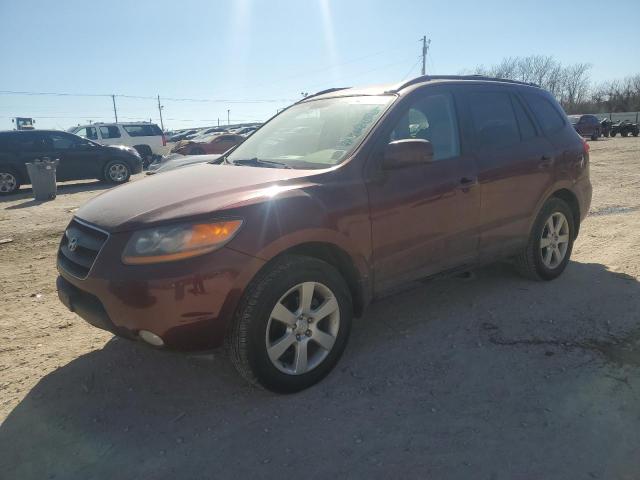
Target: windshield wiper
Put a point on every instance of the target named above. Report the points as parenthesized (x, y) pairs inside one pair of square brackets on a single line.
[(256, 162)]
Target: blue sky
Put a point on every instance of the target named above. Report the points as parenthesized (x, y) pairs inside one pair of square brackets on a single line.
[(267, 52)]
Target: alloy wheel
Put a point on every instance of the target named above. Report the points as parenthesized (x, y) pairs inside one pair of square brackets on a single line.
[(302, 328), (8, 182), (117, 172), (554, 241)]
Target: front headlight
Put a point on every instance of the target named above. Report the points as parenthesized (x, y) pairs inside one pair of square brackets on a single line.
[(176, 242)]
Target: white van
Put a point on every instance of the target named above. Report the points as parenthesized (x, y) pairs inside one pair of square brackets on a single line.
[(146, 138)]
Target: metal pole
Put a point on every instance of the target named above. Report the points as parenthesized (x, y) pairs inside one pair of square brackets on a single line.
[(228, 121), (115, 112), (160, 107), (425, 49)]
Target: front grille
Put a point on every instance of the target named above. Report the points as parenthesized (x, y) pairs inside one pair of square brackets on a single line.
[(79, 248)]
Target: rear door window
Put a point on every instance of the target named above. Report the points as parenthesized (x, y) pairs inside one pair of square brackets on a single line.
[(110, 132), (61, 141), (494, 119), (548, 116), (142, 130)]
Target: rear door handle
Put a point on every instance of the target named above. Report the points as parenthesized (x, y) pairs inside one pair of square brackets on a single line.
[(545, 161)]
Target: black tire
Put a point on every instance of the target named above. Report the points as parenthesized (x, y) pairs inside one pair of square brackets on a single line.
[(530, 262), (122, 167), (596, 135), (9, 181), (624, 134), (246, 338), (612, 134), (196, 151), (635, 133)]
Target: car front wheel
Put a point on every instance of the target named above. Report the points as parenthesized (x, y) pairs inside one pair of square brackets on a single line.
[(117, 172), (550, 242), (292, 325)]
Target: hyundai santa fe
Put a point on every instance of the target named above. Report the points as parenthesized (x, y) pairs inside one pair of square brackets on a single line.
[(341, 197)]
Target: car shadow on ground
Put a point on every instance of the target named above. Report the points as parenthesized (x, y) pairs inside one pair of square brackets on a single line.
[(62, 189), (482, 376)]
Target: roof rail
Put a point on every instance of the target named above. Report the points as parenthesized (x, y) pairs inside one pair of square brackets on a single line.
[(322, 92), (427, 78)]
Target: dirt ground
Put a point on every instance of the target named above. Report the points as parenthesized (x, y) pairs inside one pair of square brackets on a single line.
[(486, 377)]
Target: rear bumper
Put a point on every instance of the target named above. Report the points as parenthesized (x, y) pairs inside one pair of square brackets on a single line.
[(189, 304)]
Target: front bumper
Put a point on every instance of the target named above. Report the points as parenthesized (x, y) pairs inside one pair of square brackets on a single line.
[(188, 303)]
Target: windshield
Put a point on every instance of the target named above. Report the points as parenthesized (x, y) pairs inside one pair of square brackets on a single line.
[(314, 134), (574, 119)]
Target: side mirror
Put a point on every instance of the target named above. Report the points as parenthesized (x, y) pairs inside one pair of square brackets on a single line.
[(407, 152)]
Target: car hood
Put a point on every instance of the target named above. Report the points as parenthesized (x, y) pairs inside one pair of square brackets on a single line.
[(185, 161), (187, 192), (122, 148)]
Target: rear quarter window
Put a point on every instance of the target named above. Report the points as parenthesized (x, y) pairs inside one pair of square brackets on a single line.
[(110, 131), (549, 118)]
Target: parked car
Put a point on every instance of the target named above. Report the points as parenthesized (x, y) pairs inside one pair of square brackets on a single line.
[(278, 248), (216, 143), (586, 125), (176, 161), (624, 128), (245, 131), (146, 138), (181, 135), (80, 158), (204, 133)]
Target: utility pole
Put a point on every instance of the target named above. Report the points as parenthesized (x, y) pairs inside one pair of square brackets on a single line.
[(425, 49), (228, 121), (160, 107), (218, 121), (115, 112)]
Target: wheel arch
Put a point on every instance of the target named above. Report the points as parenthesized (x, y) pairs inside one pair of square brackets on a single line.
[(570, 199), (20, 175), (338, 258), (143, 146)]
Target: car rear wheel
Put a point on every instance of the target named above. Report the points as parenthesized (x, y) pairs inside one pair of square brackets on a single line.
[(550, 242), (596, 135), (612, 134), (117, 172), (9, 182), (292, 325)]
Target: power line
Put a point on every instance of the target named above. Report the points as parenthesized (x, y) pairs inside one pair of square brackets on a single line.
[(411, 69), (140, 97)]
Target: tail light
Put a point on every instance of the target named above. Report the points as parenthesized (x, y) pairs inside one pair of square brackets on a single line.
[(164, 140), (585, 146)]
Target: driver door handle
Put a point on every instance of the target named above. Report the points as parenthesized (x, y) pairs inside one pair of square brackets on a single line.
[(467, 182)]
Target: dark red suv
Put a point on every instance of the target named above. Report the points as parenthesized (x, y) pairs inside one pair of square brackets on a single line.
[(333, 202), (586, 125)]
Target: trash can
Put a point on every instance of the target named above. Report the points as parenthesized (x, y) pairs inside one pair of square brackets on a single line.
[(42, 173)]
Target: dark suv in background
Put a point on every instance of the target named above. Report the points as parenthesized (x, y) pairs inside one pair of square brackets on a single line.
[(79, 157), (587, 125), (333, 202)]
